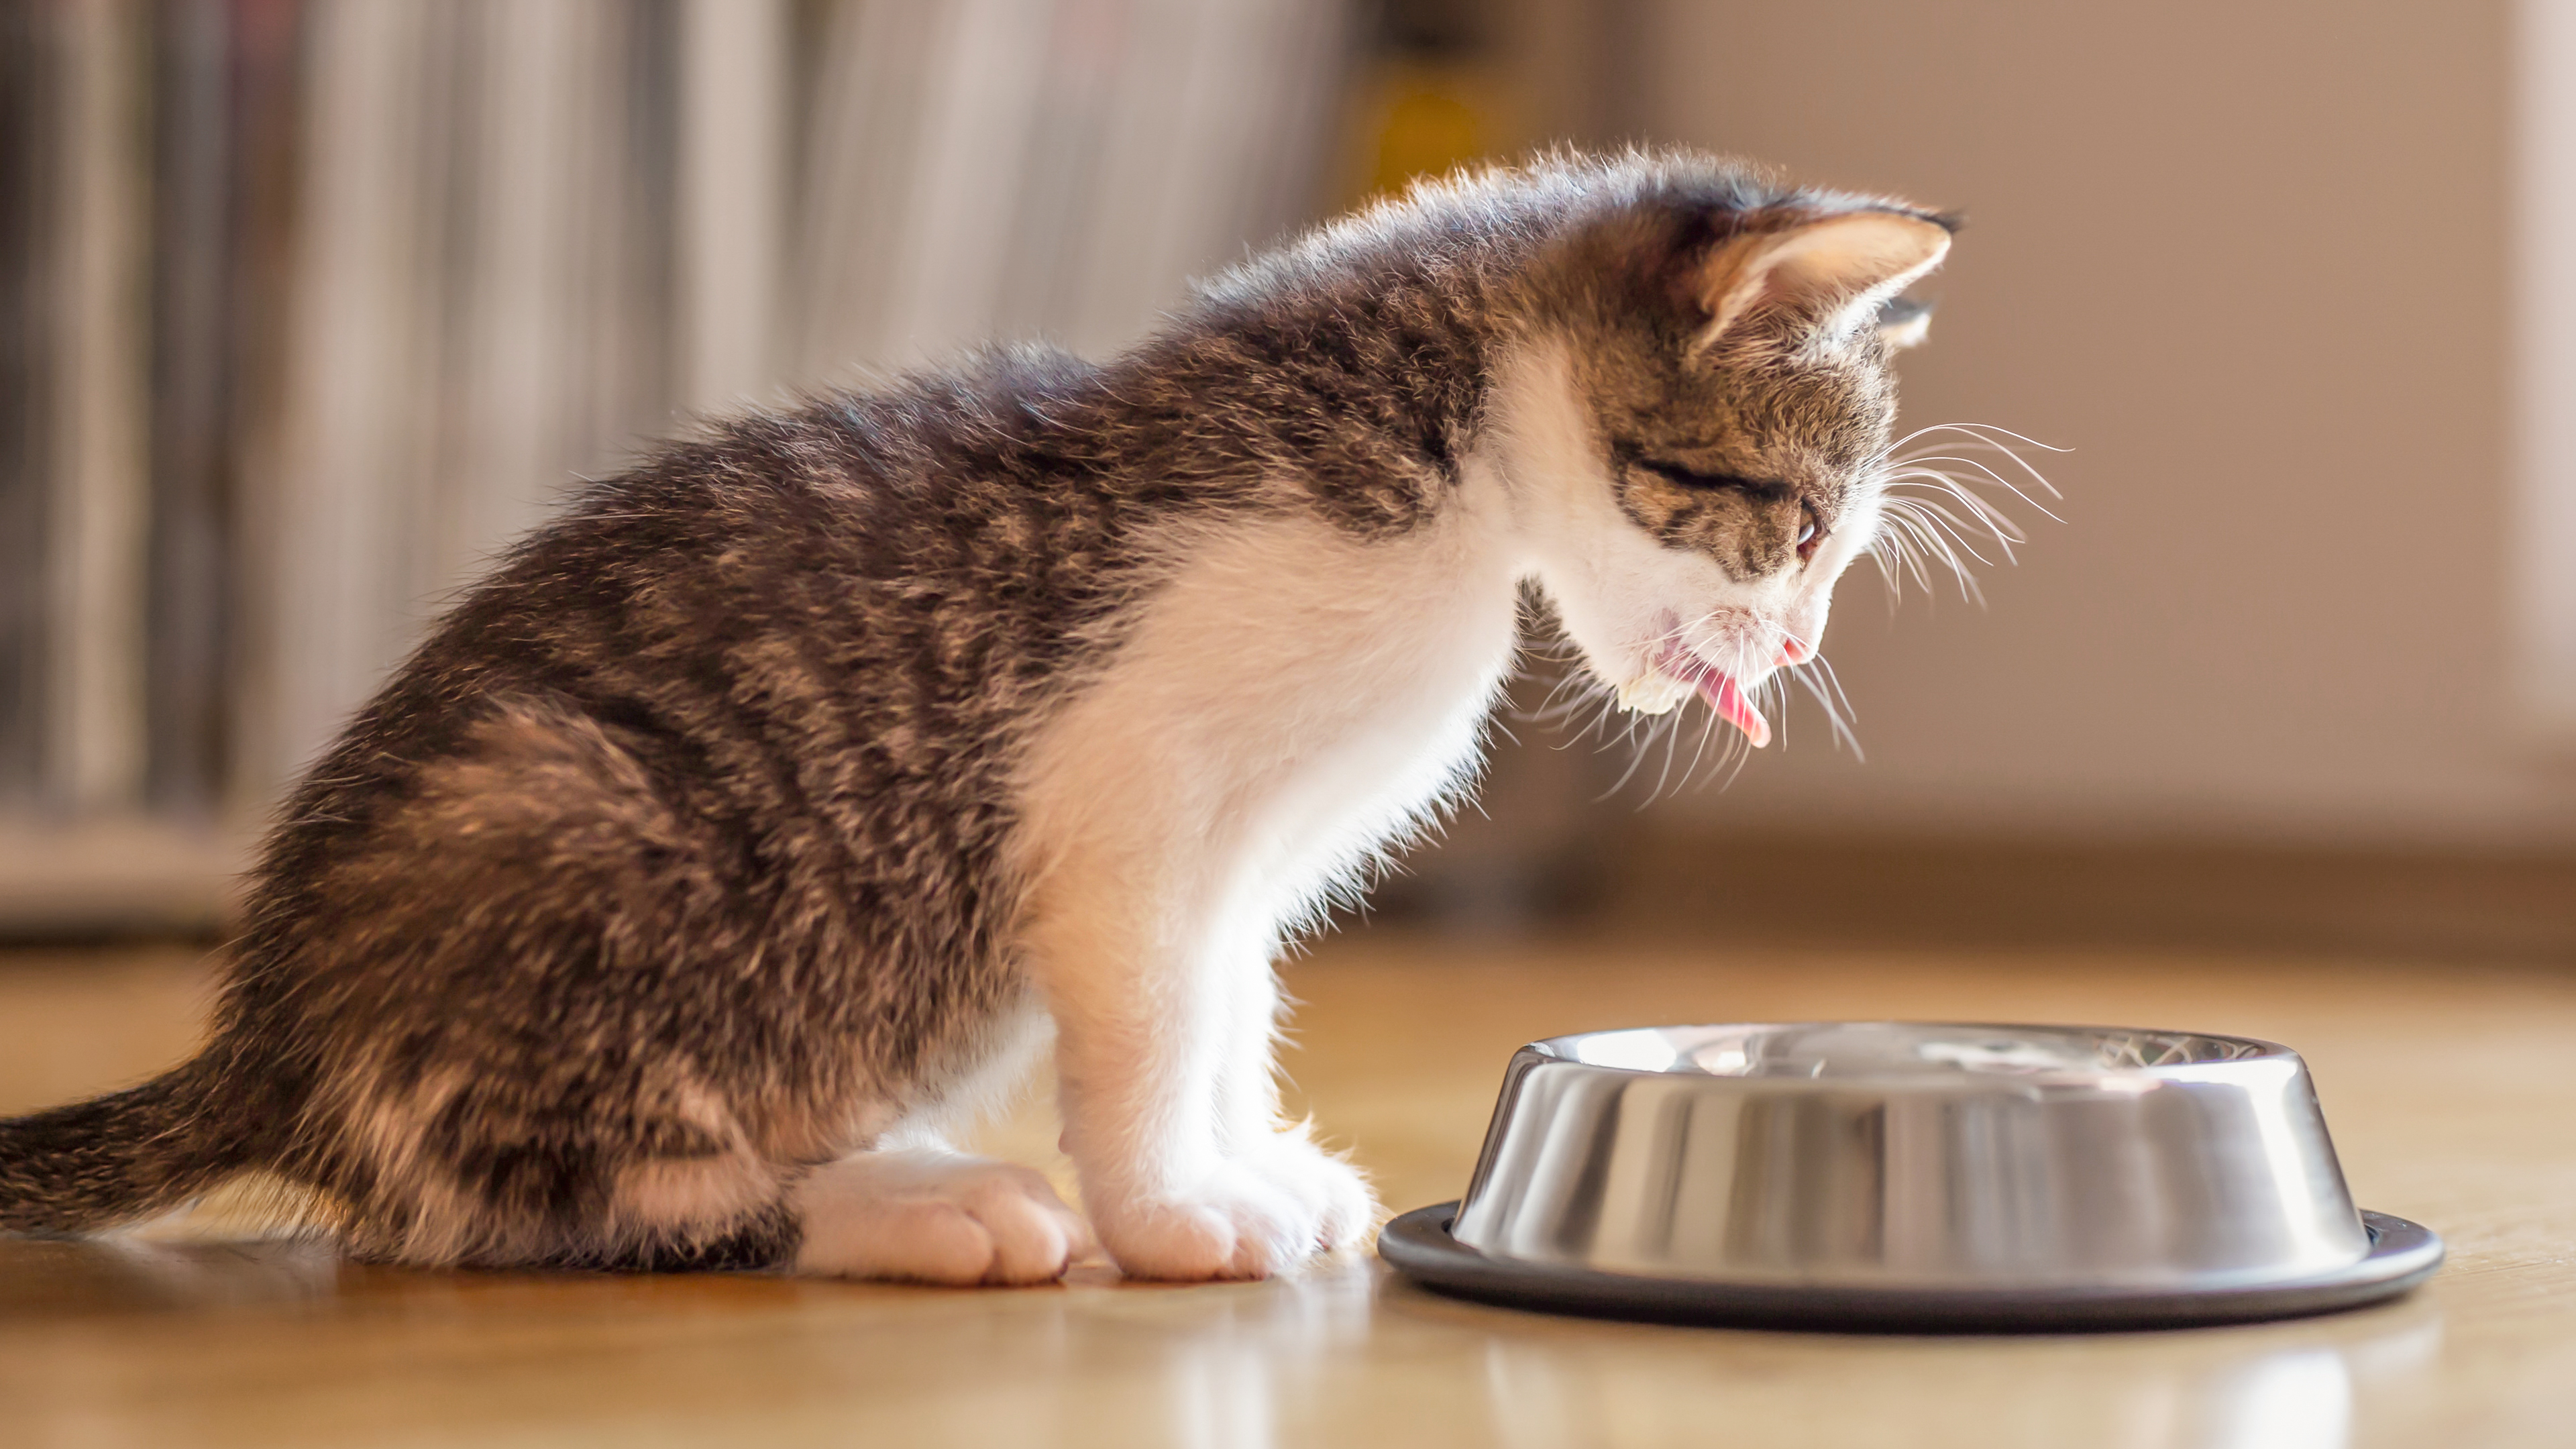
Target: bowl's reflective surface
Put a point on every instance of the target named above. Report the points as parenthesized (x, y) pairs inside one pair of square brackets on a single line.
[(1909, 1154)]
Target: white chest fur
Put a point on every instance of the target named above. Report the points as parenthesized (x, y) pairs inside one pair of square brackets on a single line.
[(1291, 700)]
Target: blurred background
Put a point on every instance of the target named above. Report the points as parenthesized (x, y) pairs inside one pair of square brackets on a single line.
[(307, 306)]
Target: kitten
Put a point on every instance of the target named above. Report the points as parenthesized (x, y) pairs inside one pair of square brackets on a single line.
[(757, 821)]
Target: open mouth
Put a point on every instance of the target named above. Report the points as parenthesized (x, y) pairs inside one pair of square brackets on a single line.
[(1717, 687)]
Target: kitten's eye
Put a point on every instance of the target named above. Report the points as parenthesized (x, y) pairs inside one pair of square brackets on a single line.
[(1808, 534), (1685, 477)]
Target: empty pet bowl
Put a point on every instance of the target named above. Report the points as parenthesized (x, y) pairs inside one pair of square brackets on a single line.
[(1911, 1176)]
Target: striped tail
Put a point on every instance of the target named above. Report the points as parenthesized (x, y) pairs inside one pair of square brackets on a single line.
[(113, 1159)]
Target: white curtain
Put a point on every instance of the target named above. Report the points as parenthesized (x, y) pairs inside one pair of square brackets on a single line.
[(1058, 167)]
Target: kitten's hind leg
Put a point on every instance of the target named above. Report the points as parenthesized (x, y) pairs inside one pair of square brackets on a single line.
[(932, 1216)]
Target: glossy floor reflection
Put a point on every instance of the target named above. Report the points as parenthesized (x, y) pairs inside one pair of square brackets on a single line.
[(2450, 1093)]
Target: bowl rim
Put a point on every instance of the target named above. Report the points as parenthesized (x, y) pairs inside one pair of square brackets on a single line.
[(1560, 1049), (1419, 1245)]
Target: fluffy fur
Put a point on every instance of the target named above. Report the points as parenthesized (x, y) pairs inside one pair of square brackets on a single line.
[(773, 807)]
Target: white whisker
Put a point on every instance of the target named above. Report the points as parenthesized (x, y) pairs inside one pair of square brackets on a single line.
[(1914, 465), (1938, 515)]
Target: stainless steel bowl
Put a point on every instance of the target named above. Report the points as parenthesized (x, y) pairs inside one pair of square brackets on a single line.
[(1963, 1170)]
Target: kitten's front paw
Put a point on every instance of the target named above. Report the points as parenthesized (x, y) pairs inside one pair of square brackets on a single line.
[(1337, 1193), (934, 1217), (1231, 1224)]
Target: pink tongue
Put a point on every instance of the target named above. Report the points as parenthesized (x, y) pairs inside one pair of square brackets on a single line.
[(1729, 702), (1718, 688)]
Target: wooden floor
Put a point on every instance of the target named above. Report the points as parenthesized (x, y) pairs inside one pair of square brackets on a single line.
[(2451, 1089)]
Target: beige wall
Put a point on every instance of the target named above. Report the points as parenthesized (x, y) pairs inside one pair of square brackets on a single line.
[(2249, 260)]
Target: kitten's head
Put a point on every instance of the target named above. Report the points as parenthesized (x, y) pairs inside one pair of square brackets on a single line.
[(1694, 422)]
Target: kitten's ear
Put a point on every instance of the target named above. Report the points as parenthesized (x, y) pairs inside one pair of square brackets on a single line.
[(1835, 269)]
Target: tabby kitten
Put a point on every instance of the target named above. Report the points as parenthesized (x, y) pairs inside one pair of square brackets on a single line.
[(757, 821)]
